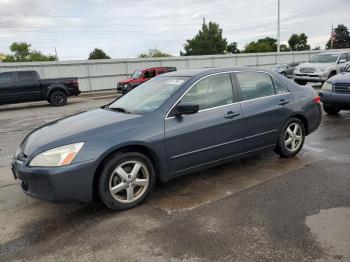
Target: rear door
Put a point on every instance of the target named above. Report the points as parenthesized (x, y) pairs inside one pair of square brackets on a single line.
[(28, 86), (214, 133), (7, 88), (266, 105)]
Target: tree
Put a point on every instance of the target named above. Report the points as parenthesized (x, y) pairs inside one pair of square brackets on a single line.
[(284, 48), (208, 41), (232, 48), (21, 52), (316, 48), (266, 44), (154, 53), (98, 53), (298, 42), (341, 38)]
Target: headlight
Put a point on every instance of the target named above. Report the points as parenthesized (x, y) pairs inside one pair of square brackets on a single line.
[(60, 156), (321, 69), (297, 69), (126, 85), (327, 86)]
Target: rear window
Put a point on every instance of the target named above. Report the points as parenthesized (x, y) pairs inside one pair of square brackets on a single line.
[(6, 78), (25, 77)]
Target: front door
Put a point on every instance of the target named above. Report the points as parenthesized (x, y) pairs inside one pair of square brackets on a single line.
[(214, 133), (28, 86)]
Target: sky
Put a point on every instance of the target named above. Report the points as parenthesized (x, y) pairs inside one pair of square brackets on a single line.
[(124, 29)]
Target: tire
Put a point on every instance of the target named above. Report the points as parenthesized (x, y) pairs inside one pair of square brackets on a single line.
[(58, 98), (331, 109), (126, 194), (332, 74), (301, 82), (291, 140)]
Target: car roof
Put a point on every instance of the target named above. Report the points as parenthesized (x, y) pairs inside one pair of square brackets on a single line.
[(211, 70)]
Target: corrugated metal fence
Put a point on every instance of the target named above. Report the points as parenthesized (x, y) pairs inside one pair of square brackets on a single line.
[(97, 75)]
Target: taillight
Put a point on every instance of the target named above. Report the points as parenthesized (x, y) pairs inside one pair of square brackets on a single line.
[(317, 99), (75, 83)]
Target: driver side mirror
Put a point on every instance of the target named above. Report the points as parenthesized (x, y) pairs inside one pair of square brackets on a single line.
[(186, 108), (341, 61)]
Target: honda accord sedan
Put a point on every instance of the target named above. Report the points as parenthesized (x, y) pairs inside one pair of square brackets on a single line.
[(175, 124)]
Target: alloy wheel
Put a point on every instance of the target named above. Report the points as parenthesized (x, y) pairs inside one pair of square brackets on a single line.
[(293, 137), (129, 181)]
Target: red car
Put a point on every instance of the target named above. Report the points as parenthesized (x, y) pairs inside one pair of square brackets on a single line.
[(141, 76)]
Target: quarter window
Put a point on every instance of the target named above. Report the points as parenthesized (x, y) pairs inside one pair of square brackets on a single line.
[(212, 91), (348, 57), (6, 78), (255, 85), (279, 88)]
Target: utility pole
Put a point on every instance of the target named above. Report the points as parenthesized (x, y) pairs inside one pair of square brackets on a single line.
[(56, 52), (278, 28), (203, 20)]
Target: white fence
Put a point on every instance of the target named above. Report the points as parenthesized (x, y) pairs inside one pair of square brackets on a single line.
[(97, 75)]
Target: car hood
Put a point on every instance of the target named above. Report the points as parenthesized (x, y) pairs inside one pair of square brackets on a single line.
[(127, 81), (315, 65), (342, 78), (72, 129)]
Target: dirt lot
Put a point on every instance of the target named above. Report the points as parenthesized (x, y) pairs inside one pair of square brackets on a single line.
[(259, 209)]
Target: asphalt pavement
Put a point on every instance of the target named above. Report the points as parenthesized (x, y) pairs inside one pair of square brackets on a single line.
[(263, 208)]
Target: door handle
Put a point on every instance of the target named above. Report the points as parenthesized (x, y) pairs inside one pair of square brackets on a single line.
[(283, 102), (231, 114)]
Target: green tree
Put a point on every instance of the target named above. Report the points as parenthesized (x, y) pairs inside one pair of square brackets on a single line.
[(154, 53), (284, 48), (98, 53), (266, 44), (341, 38), (208, 41), (21, 52), (232, 48), (298, 42)]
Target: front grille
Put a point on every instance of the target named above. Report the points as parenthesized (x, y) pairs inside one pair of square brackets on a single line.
[(307, 70), (120, 84), (342, 88)]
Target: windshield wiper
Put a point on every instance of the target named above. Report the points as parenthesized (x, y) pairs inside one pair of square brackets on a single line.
[(118, 109)]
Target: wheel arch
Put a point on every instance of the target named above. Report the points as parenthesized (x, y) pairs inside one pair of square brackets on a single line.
[(304, 120), (139, 148), (55, 88)]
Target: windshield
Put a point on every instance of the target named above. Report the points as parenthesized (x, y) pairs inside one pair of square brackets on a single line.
[(324, 58), (148, 96), (136, 75)]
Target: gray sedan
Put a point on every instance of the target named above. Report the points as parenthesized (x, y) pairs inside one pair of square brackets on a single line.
[(172, 125)]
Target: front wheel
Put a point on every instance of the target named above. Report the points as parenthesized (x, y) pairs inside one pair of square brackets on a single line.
[(291, 138), (126, 180), (331, 109)]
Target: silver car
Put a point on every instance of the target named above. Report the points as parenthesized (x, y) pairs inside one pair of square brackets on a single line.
[(321, 67)]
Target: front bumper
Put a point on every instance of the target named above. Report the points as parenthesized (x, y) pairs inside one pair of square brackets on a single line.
[(310, 77), (335, 98), (73, 183)]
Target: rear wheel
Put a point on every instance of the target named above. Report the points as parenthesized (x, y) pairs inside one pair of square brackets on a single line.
[(58, 98), (126, 180), (291, 139), (332, 74), (331, 109), (300, 82)]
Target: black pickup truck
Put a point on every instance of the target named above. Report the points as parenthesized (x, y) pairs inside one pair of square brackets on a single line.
[(26, 86)]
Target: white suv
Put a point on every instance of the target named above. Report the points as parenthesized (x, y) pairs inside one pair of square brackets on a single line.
[(321, 67)]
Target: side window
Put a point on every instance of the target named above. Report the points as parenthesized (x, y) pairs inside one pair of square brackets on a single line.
[(6, 78), (211, 91), (25, 77), (348, 57), (342, 56), (255, 85), (279, 88), (149, 74)]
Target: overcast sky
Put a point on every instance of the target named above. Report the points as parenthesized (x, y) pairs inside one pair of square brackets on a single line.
[(127, 28)]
